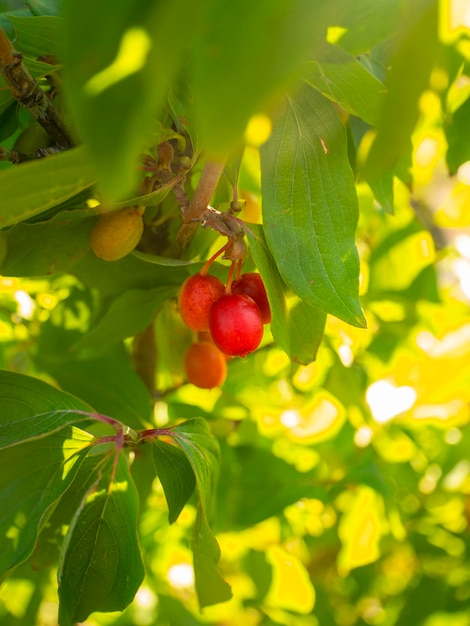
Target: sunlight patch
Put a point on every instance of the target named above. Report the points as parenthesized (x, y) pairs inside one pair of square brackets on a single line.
[(386, 401), (131, 57)]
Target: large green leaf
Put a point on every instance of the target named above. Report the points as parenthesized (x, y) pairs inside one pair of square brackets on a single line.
[(342, 78), (135, 271), (297, 327), (33, 476), (366, 23), (202, 452), (34, 187), (261, 46), (37, 36), (310, 207), (117, 82), (50, 246), (101, 567), (32, 409), (176, 475), (110, 384)]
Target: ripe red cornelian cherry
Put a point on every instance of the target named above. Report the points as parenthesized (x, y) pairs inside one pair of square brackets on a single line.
[(205, 365), (252, 285), (235, 324), (197, 294)]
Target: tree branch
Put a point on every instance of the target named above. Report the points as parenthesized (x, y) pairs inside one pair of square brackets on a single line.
[(205, 190), (28, 93)]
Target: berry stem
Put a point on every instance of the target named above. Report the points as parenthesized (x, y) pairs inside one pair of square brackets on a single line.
[(228, 286), (209, 262), (239, 269)]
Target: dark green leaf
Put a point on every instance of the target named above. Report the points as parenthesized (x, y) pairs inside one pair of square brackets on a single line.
[(47, 550), (310, 207), (340, 77), (109, 384), (134, 271), (32, 409), (101, 567), (33, 476), (297, 327), (202, 452), (46, 247), (117, 83), (34, 187), (175, 474), (45, 7), (37, 36), (201, 448)]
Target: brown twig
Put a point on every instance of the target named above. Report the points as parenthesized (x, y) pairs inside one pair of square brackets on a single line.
[(28, 93), (200, 201)]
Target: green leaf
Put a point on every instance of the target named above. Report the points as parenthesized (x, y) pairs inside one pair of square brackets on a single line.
[(110, 384), (127, 315), (45, 7), (135, 271), (366, 23), (410, 67), (46, 247), (457, 133), (211, 588), (340, 77), (297, 327), (37, 36), (310, 206), (201, 448), (32, 409), (49, 542), (101, 567), (176, 475), (117, 83), (261, 46), (34, 187), (33, 476), (202, 452)]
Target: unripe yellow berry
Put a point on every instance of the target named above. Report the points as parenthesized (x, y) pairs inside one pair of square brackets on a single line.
[(116, 234)]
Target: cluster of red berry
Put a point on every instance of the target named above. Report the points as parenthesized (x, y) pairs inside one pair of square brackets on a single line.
[(229, 319)]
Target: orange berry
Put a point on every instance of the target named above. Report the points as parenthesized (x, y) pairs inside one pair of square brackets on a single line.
[(205, 365)]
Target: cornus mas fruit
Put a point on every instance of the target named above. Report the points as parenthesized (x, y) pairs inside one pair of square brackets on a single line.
[(198, 293), (251, 284), (116, 234), (205, 365), (235, 324)]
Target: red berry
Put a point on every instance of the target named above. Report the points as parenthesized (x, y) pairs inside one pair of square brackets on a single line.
[(235, 324), (198, 293), (205, 365), (252, 285)]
